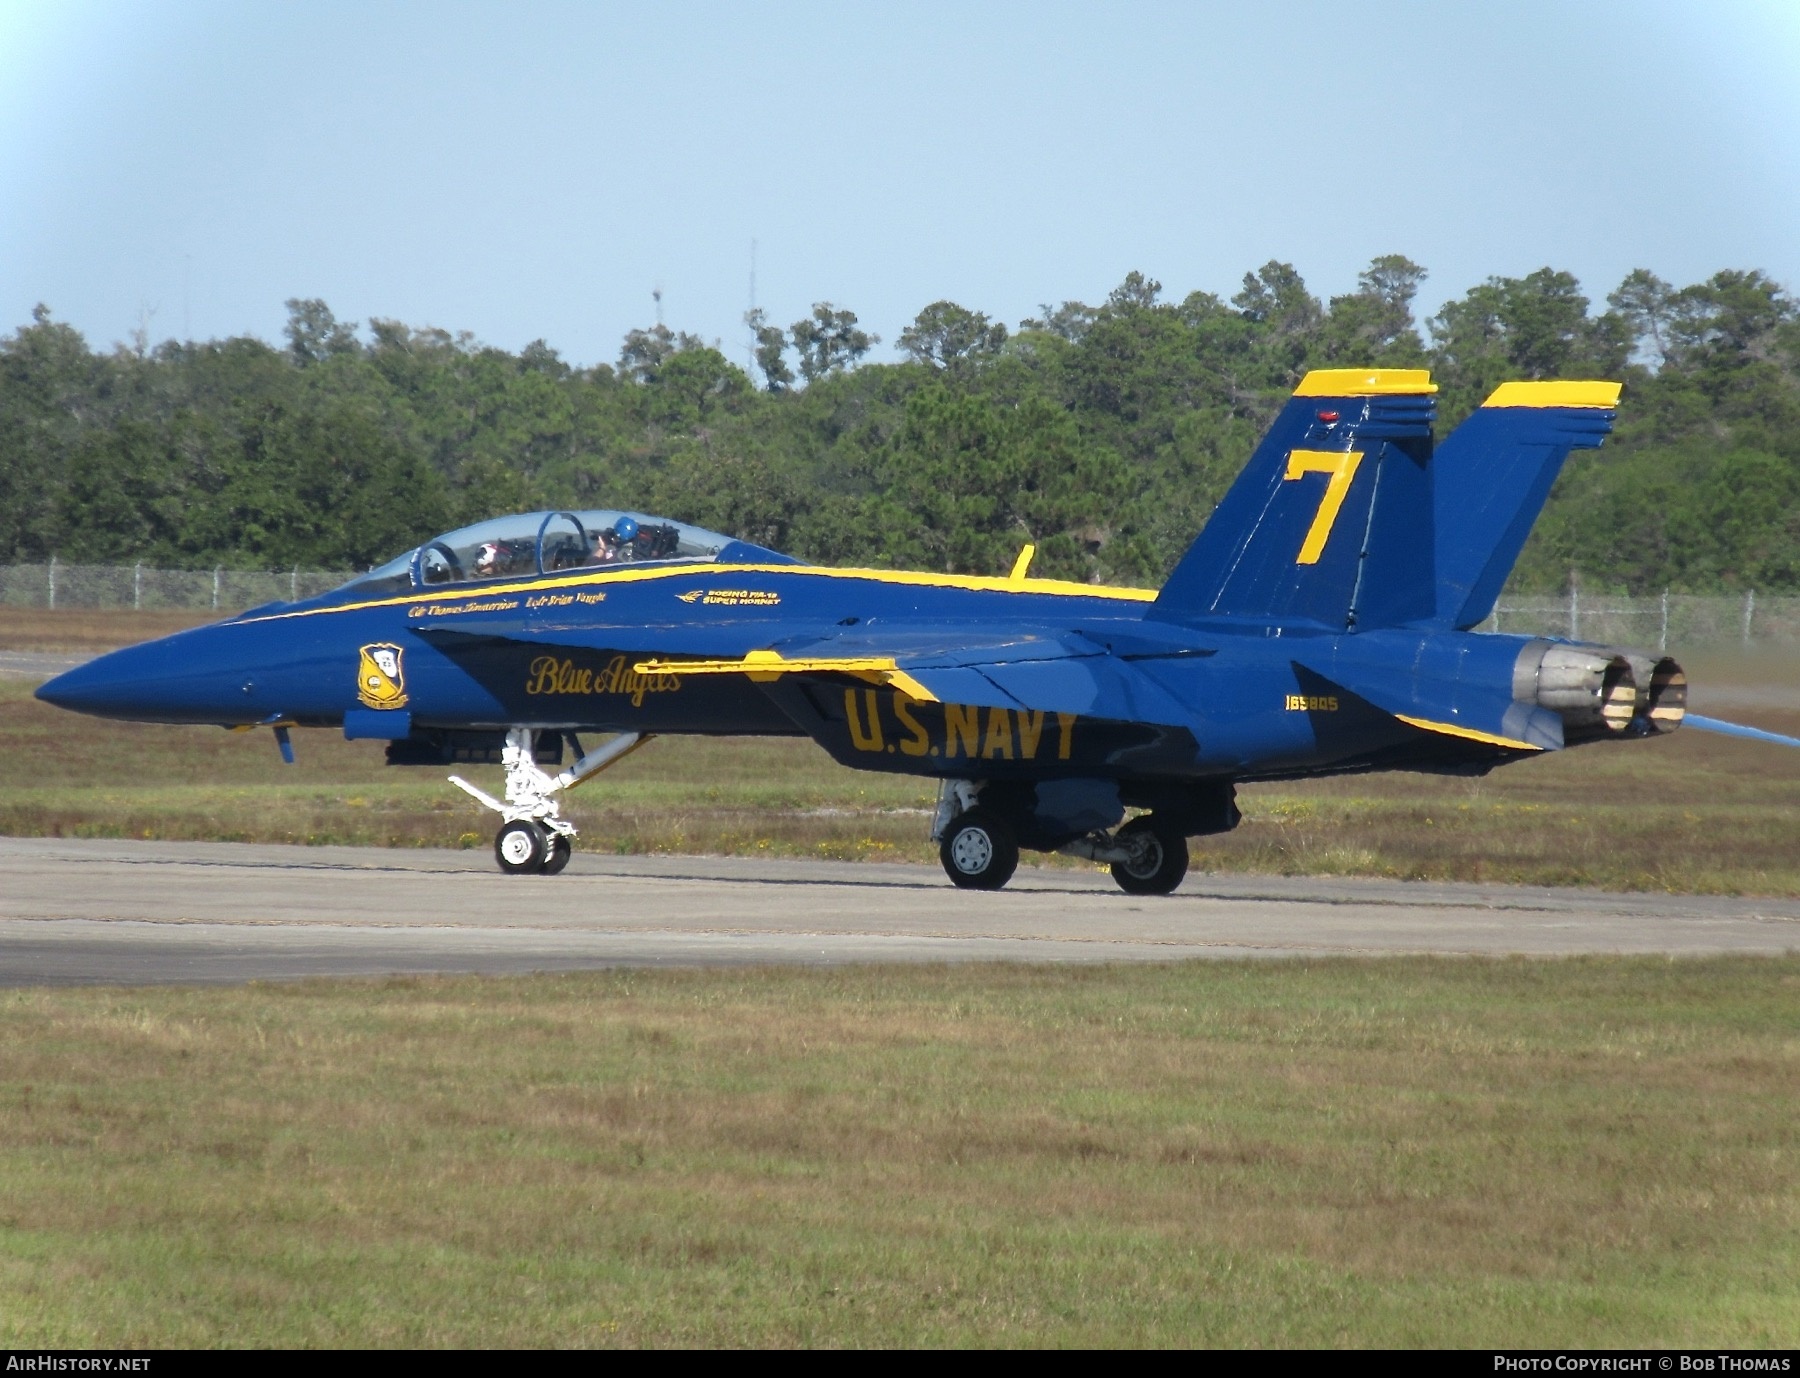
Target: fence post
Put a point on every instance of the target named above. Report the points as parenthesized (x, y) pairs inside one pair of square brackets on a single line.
[(1574, 609), (53, 583), (215, 588), (294, 585), (1662, 640), (1749, 612)]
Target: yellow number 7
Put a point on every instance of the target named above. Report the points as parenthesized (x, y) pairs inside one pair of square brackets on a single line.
[(1341, 465)]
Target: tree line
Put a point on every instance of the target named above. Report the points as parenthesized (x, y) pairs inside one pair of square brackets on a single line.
[(1105, 433)]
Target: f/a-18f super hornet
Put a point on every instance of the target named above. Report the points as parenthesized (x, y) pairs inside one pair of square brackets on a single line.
[(1322, 623)]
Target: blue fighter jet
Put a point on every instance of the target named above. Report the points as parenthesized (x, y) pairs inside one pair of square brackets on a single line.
[(1321, 624)]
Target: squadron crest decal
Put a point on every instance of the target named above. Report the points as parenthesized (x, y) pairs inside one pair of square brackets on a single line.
[(380, 680)]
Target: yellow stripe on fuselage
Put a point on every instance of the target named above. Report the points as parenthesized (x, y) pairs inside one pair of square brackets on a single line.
[(1060, 588), (1555, 394), (1452, 730)]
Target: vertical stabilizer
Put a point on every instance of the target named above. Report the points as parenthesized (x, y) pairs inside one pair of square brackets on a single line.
[(1330, 523), (1492, 474)]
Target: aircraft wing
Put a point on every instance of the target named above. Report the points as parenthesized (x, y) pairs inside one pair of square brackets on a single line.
[(973, 664), (938, 662), (1067, 673)]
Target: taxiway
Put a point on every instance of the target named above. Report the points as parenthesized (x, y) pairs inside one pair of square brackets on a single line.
[(120, 912)]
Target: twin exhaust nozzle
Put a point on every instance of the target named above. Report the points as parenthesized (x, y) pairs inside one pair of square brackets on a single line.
[(1598, 691)]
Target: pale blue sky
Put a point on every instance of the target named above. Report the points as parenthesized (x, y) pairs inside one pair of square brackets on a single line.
[(526, 170)]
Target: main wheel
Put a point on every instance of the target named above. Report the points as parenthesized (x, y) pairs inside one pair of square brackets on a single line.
[(1162, 858), (521, 847), (978, 851), (561, 849)]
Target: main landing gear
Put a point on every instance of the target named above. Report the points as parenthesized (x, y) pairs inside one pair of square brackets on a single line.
[(979, 845), (1155, 860), (534, 838), (978, 850)]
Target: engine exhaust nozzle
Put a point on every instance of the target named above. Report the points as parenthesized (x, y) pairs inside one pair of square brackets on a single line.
[(1662, 693), (1591, 688)]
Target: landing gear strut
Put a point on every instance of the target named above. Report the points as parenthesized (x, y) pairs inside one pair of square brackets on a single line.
[(534, 837)]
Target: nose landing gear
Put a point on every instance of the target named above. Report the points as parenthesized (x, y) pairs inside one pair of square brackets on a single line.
[(534, 838)]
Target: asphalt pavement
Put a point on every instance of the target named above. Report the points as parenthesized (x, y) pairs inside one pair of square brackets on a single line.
[(78, 911), (39, 665)]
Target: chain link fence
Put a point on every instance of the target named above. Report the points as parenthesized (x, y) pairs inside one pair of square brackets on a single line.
[(1671, 620), (224, 591)]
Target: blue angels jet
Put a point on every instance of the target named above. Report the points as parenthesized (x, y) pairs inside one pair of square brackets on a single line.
[(1322, 623)]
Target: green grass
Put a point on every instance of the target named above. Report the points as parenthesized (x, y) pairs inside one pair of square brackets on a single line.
[(1406, 1152), (1690, 813)]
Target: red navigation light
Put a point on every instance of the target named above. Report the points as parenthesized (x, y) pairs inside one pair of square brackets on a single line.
[(1328, 417)]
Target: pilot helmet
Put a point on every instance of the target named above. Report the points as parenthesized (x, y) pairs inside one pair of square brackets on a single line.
[(626, 529), (487, 560)]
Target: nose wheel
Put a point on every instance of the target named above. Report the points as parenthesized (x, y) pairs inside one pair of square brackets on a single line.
[(521, 847), (557, 857), (534, 838)]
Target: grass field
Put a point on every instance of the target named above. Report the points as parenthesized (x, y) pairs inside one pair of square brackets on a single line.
[(1408, 1152), (1690, 813)]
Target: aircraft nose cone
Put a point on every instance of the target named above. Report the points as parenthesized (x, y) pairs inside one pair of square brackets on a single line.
[(171, 680), (102, 686)]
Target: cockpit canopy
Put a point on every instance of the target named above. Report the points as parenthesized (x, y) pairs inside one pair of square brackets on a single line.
[(533, 543)]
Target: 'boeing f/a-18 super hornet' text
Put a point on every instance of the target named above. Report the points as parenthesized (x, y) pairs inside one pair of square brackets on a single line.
[(1322, 623)]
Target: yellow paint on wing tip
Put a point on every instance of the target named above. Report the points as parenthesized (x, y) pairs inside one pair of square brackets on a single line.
[(1452, 730), (1555, 394), (1365, 382)]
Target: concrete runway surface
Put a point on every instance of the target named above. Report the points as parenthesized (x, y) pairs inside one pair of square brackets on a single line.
[(105, 912), (39, 665)]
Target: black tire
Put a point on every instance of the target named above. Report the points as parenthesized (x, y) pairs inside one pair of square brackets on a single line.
[(1165, 859), (561, 849), (978, 851), (521, 847)]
